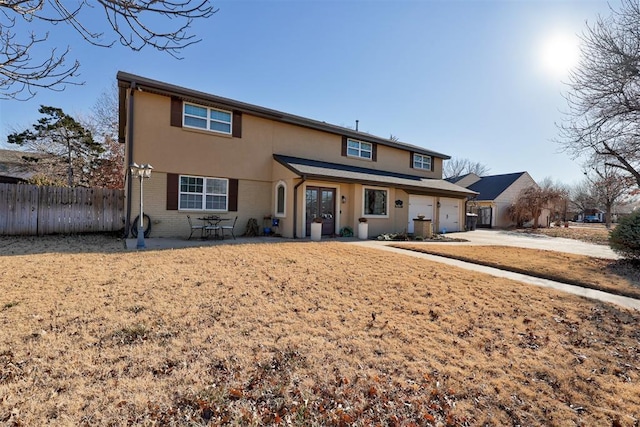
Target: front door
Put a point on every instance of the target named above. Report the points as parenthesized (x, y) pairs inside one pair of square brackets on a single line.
[(484, 217), (321, 202)]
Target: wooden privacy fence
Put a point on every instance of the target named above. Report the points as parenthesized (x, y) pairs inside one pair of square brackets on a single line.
[(38, 210)]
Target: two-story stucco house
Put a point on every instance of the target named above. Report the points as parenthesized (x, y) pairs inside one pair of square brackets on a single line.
[(213, 155)]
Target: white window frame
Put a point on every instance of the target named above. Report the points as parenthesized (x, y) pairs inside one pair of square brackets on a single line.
[(208, 119), (420, 161), (364, 201), (204, 194), (360, 149), (282, 214)]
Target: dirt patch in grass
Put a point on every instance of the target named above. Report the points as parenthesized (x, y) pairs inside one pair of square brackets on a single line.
[(618, 277), (594, 233), (302, 334)]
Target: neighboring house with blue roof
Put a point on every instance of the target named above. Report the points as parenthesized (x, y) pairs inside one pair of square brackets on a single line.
[(496, 193)]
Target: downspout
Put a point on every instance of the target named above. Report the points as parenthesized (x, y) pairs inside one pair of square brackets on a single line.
[(127, 219), (295, 206)]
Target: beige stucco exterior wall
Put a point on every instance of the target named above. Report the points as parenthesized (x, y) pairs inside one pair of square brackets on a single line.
[(250, 160), (190, 151), (253, 201)]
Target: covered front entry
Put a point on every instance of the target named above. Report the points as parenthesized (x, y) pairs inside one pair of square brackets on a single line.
[(449, 220), (419, 205), (320, 203)]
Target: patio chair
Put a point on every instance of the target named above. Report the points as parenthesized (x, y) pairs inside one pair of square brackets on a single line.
[(230, 228), (212, 227), (194, 227)]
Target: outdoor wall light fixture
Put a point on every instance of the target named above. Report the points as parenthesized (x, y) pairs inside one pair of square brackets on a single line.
[(344, 199), (438, 203), (142, 172)]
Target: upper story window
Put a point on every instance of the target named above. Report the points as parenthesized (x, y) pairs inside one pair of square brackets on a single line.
[(200, 193), (207, 118), (421, 162), (363, 150)]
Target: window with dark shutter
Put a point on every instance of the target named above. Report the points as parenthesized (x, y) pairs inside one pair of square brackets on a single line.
[(233, 195), (176, 112), (237, 125), (172, 192)]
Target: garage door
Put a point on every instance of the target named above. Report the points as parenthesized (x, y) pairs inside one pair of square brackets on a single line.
[(449, 215), (419, 205)]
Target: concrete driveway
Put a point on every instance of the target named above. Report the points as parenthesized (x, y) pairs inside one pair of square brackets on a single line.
[(533, 241)]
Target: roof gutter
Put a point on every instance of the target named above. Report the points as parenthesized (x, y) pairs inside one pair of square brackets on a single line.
[(127, 219), (295, 206)]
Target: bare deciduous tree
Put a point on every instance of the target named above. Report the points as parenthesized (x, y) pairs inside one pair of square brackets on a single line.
[(533, 200), (108, 168), (456, 167), (607, 187), (134, 24), (603, 116), (582, 198)]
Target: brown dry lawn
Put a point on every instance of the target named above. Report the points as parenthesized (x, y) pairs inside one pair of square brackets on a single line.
[(617, 277), (301, 334)]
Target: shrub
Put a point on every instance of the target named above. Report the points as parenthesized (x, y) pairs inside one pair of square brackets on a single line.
[(625, 238)]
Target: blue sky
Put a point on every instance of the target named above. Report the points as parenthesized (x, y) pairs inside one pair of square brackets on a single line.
[(464, 78)]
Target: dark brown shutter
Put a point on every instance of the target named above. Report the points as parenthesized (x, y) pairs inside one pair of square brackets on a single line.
[(344, 146), (172, 191), (236, 132), (176, 112), (374, 152), (233, 195), (432, 166), (411, 159)]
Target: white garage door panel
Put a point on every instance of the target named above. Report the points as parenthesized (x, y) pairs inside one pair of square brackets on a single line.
[(449, 215), (419, 205)]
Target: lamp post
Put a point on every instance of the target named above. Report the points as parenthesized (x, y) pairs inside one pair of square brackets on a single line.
[(142, 172)]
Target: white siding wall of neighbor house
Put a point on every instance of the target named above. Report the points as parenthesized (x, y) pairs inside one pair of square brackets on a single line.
[(468, 180), (510, 195), (419, 205)]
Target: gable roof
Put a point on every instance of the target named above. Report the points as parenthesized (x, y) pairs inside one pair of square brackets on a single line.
[(339, 172), (455, 179), (490, 187), (14, 167), (126, 80)]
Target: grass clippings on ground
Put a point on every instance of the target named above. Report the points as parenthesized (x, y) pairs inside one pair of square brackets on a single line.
[(302, 334), (619, 277)]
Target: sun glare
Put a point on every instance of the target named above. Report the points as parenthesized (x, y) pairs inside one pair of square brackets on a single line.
[(559, 52)]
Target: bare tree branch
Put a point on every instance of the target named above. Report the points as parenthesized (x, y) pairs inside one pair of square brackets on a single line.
[(603, 116), (135, 24), (456, 167)]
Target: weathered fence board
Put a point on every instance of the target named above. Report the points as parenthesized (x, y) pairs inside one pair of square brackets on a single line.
[(39, 210)]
